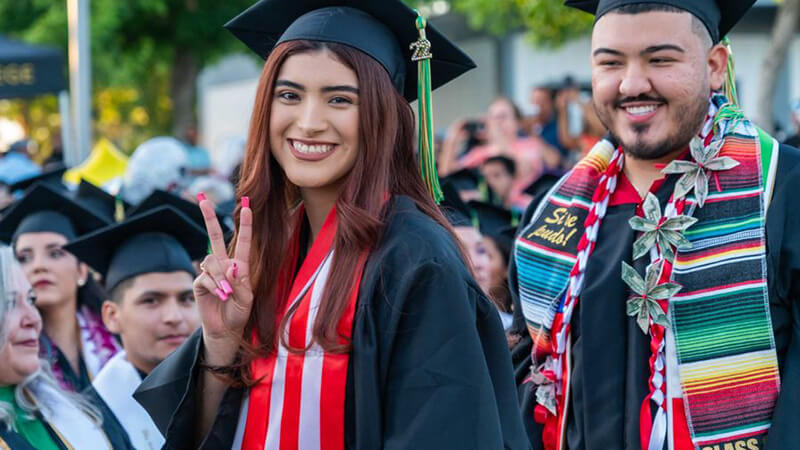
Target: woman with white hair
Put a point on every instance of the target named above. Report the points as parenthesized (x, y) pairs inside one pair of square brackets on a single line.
[(35, 413)]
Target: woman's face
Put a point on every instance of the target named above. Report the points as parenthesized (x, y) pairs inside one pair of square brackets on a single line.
[(473, 242), (501, 122), (497, 267), (19, 332), (314, 120), (53, 272)]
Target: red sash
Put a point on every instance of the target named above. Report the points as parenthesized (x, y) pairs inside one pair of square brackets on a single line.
[(299, 402)]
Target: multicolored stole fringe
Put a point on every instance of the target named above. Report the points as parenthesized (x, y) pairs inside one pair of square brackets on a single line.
[(720, 331), (299, 400)]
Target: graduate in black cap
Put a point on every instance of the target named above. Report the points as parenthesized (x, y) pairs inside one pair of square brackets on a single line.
[(659, 281), (497, 226), (465, 226), (102, 203), (344, 315), (74, 340), (161, 198), (146, 262), (52, 176), (8, 191)]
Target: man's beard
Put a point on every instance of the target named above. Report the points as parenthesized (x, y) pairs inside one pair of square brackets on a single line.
[(689, 119)]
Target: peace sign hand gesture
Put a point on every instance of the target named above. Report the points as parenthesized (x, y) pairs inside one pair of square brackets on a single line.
[(223, 291)]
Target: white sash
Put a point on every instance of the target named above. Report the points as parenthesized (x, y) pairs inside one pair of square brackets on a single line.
[(115, 384), (70, 423)]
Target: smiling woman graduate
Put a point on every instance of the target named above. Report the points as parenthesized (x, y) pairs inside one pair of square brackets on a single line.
[(344, 315)]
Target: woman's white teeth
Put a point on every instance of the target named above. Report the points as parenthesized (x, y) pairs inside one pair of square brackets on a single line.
[(641, 110), (303, 148)]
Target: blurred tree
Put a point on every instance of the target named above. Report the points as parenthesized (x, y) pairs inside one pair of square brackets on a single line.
[(156, 47), (546, 22), (182, 35), (146, 54)]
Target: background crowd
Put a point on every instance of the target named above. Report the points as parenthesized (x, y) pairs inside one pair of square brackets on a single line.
[(492, 167)]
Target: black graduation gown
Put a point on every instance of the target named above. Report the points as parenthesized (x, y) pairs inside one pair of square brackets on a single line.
[(610, 368), (50, 352), (429, 368)]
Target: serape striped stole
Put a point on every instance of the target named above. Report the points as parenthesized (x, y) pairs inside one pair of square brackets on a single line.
[(721, 324)]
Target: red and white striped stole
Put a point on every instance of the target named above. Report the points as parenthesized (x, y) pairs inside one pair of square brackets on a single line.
[(299, 402)]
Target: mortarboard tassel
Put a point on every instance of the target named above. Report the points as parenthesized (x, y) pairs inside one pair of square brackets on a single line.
[(422, 55), (730, 75), (119, 209), (730, 111)]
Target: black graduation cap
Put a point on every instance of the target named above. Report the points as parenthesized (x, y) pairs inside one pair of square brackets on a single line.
[(160, 240), (383, 29), (100, 201), (463, 180), (504, 239), (189, 209), (542, 184), (44, 208), (490, 217), (51, 176), (454, 208), (719, 16)]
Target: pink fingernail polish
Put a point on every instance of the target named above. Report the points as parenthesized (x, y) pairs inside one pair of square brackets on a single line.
[(226, 287), (235, 271), (221, 294), (245, 202), (201, 196)]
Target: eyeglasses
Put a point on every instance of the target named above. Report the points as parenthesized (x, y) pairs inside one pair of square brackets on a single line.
[(10, 301)]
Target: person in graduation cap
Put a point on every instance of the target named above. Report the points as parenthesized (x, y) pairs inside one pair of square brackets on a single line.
[(35, 412), (469, 237), (660, 278), (151, 304), (74, 339), (497, 227), (102, 203), (8, 191), (344, 315), (188, 208)]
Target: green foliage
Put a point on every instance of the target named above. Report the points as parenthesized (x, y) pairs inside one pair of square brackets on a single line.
[(550, 23), (546, 22), (133, 44)]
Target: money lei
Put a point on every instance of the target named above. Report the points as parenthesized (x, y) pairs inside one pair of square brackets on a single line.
[(667, 232)]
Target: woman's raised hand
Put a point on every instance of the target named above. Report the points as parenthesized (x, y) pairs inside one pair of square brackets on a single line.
[(223, 291)]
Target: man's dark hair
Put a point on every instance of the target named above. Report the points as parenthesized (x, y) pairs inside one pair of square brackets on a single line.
[(118, 293), (698, 27), (508, 163)]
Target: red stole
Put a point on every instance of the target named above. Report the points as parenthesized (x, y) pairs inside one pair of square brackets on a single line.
[(299, 402)]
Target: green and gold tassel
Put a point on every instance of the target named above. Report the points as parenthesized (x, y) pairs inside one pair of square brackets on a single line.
[(730, 75), (730, 112), (119, 209), (427, 157)]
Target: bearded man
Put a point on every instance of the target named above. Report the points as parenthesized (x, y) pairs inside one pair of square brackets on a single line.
[(660, 279)]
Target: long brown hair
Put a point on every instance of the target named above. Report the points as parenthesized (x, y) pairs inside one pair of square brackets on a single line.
[(385, 164)]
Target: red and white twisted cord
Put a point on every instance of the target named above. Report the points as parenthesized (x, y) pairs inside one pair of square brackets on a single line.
[(601, 196)]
